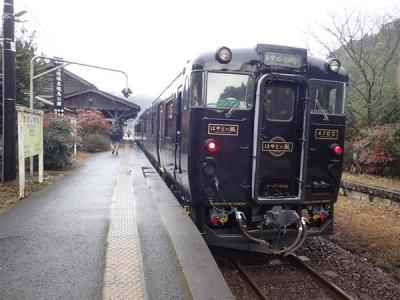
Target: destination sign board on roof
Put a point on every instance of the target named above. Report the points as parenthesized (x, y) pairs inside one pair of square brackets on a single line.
[(281, 59)]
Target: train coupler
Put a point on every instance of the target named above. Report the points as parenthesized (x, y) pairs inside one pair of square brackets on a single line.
[(281, 218)]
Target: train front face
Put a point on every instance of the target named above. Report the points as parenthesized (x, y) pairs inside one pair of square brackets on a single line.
[(270, 128)]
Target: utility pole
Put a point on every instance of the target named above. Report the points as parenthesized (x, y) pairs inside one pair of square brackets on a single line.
[(9, 91)]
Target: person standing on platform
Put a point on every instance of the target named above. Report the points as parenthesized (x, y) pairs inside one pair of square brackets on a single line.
[(115, 137)]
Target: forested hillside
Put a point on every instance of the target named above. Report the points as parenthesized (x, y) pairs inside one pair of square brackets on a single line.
[(369, 48), (373, 65)]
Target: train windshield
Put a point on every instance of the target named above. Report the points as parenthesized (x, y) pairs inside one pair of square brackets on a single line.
[(327, 96), (229, 91)]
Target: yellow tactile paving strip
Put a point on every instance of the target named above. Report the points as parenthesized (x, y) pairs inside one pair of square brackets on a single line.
[(123, 277)]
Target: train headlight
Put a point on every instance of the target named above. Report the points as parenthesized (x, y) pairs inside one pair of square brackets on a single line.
[(223, 55), (334, 65)]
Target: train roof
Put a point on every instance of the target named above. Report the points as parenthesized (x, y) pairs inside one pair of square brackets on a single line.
[(251, 60)]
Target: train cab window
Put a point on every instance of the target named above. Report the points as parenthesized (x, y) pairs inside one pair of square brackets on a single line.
[(196, 89), (279, 103), (327, 95), (229, 91)]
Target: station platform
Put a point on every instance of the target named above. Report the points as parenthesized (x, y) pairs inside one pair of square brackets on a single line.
[(112, 230), (172, 258)]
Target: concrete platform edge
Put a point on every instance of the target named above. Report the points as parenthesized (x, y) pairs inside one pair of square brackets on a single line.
[(201, 272)]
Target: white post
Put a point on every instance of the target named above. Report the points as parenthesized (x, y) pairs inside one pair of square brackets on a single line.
[(74, 124), (31, 106), (31, 166), (41, 152), (21, 155)]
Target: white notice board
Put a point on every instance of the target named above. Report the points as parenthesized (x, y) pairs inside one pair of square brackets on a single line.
[(30, 141)]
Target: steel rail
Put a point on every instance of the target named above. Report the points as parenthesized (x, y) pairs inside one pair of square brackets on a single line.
[(249, 279), (332, 287)]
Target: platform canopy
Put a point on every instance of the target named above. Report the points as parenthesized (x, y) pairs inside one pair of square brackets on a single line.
[(110, 105), (81, 94)]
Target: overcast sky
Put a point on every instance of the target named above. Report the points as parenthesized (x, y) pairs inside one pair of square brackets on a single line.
[(151, 40)]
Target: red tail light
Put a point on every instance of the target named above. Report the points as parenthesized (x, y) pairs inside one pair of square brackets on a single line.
[(336, 149), (211, 145), (324, 217)]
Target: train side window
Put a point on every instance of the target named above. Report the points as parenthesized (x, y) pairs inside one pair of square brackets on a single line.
[(196, 89), (279, 103), (169, 120), (185, 95), (327, 95), (153, 118), (145, 125)]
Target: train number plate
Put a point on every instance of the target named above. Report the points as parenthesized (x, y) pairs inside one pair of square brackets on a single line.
[(223, 129), (326, 134)]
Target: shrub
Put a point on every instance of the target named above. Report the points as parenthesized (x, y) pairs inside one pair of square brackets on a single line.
[(348, 155), (92, 122), (377, 148), (95, 143), (57, 142)]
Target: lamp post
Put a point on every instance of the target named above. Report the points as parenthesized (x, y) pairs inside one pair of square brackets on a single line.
[(9, 81), (126, 91)]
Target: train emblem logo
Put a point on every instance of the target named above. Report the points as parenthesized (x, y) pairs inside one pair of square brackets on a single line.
[(277, 146)]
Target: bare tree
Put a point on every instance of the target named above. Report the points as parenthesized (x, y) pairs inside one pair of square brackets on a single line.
[(368, 47), (398, 86)]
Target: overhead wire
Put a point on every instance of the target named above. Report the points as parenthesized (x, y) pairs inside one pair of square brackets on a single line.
[(41, 27)]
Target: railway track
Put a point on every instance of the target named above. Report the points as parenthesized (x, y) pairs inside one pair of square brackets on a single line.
[(275, 278), (321, 278)]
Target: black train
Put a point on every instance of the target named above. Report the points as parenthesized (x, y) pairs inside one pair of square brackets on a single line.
[(251, 140)]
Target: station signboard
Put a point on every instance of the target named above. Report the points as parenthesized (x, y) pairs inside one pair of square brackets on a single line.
[(30, 141), (58, 80)]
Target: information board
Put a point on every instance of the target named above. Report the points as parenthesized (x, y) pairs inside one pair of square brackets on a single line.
[(30, 141), (32, 129)]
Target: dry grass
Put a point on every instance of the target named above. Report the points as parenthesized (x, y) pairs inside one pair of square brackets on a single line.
[(371, 230), (9, 191)]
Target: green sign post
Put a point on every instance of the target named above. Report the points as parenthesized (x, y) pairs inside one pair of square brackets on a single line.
[(30, 141)]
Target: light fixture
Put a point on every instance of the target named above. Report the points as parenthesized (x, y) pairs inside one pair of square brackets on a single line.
[(211, 145), (334, 65), (223, 55), (20, 13), (336, 149)]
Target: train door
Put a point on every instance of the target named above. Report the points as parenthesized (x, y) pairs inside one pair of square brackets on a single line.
[(160, 134), (178, 168), (279, 141)]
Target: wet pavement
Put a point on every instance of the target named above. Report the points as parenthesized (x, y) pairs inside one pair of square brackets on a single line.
[(52, 245), (106, 231)]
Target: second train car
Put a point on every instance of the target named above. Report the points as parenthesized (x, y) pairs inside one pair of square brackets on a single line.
[(251, 140)]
